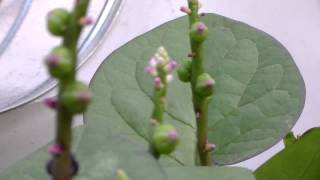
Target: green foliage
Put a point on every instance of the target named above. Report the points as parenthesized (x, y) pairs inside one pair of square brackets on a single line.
[(300, 160), (258, 97)]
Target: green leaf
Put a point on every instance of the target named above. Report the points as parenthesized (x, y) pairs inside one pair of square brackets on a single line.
[(300, 160), (259, 91), (97, 162), (209, 173)]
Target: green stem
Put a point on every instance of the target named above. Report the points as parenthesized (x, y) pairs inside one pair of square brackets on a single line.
[(200, 104), (158, 110), (62, 163)]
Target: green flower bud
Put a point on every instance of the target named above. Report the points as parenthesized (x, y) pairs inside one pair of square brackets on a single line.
[(165, 139), (76, 97), (57, 21), (204, 86), (199, 32), (59, 62), (184, 71), (121, 175)]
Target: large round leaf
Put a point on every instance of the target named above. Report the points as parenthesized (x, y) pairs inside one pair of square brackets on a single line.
[(300, 160), (259, 92)]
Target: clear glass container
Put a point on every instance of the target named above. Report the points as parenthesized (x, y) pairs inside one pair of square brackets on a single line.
[(24, 41)]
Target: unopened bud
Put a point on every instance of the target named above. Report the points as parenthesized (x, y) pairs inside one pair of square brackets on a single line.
[(184, 71), (56, 149), (121, 175), (51, 103), (76, 97), (185, 10), (57, 21), (204, 86), (165, 139), (169, 78), (59, 62), (209, 147), (157, 83), (86, 21), (199, 32)]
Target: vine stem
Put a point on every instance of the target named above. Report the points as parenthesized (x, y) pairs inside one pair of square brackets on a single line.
[(62, 164), (200, 104)]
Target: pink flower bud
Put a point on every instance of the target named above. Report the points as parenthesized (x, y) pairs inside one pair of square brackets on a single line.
[(158, 83), (169, 78), (171, 66), (86, 21), (52, 60), (201, 28), (185, 10), (56, 149), (153, 62), (151, 71), (85, 97), (209, 147), (51, 103), (173, 135), (210, 83)]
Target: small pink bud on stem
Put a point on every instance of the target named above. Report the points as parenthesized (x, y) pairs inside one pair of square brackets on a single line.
[(56, 149), (209, 147), (51, 103), (185, 10), (86, 21)]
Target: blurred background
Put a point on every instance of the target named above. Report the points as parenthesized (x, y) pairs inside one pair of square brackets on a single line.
[(25, 125)]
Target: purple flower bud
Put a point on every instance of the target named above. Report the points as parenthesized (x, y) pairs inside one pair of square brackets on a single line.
[(158, 83), (210, 83), (51, 103), (209, 147), (85, 97), (153, 62), (56, 149), (86, 21), (201, 28), (185, 10), (52, 60), (171, 66), (151, 71), (173, 135)]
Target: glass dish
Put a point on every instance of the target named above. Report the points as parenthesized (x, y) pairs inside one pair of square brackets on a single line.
[(25, 42)]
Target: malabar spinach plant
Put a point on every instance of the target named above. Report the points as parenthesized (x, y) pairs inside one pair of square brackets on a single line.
[(244, 94)]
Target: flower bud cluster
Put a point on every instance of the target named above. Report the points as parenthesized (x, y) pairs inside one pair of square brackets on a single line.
[(160, 68)]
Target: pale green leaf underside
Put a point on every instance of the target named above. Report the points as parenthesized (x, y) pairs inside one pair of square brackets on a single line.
[(298, 161), (209, 173), (258, 97), (99, 161)]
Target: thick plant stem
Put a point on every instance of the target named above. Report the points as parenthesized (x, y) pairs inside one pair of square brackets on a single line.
[(62, 164), (200, 103)]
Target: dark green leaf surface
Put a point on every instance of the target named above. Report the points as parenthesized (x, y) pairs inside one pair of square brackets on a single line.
[(209, 173), (259, 92), (299, 161)]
